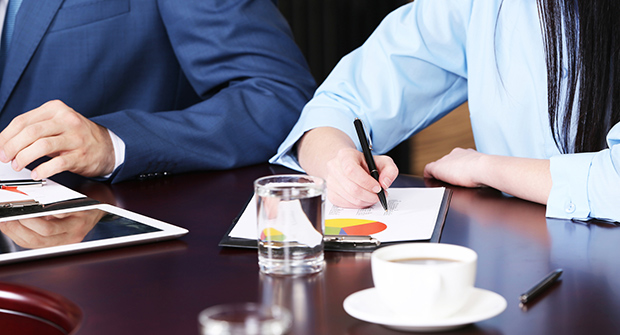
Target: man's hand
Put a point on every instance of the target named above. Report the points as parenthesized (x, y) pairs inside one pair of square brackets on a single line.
[(51, 230), (75, 143)]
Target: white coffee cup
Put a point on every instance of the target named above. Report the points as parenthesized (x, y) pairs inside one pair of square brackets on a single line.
[(411, 284)]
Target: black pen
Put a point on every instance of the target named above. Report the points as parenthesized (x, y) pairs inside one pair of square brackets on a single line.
[(22, 182), (350, 242), (540, 287), (361, 134)]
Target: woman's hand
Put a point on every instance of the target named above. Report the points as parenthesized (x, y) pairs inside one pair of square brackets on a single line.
[(330, 154), (526, 178), (460, 167)]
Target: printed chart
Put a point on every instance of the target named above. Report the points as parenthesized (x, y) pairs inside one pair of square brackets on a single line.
[(271, 234), (412, 216), (353, 227), (12, 189)]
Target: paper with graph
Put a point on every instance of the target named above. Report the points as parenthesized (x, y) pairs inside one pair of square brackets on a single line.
[(51, 192), (412, 214)]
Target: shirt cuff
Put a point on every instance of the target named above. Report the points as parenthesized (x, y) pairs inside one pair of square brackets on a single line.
[(569, 194), (119, 152)]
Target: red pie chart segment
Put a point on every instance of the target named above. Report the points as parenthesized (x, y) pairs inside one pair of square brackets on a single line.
[(353, 227)]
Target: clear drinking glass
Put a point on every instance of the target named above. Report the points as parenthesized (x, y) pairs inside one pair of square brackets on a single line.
[(290, 224), (244, 319)]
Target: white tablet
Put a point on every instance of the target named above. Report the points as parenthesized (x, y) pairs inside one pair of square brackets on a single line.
[(79, 229)]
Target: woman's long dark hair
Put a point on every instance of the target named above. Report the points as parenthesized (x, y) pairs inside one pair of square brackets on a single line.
[(582, 48)]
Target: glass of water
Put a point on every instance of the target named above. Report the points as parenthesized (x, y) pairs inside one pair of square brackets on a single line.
[(290, 224), (244, 319)]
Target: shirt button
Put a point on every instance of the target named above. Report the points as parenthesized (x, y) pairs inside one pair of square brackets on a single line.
[(570, 207)]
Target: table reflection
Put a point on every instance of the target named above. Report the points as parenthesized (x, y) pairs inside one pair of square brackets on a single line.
[(303, 296), (490, 209)]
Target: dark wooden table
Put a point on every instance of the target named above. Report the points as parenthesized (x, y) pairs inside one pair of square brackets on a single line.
[(160, 288)]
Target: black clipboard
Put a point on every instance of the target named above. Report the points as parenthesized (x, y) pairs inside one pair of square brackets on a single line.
[(15, 211), (235, 242)]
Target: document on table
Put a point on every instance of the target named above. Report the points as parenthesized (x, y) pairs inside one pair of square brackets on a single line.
[(411, 216), (49, 193)]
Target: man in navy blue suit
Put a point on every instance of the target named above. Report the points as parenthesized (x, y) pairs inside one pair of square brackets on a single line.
[(129, 88)]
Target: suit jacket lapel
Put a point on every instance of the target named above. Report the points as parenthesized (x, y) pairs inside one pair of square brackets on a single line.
[(33, 19)]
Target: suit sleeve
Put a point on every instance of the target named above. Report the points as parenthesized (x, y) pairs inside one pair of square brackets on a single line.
[(240, 58)]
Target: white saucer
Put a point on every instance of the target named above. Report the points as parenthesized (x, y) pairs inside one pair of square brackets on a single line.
[(366, 305)]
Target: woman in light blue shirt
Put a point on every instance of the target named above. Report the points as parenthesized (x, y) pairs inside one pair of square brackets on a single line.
[(543, 102)]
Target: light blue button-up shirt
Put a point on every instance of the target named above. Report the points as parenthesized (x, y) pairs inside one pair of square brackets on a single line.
[(428, 57)]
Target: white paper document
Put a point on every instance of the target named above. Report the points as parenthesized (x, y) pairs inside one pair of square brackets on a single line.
[(412, 214), (49, 193)]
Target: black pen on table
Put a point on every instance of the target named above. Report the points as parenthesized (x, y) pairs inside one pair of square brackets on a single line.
[(361, 134), (21, 182), (540, 287)]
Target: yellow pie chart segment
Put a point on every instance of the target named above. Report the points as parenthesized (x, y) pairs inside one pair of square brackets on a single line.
[(271, 234)]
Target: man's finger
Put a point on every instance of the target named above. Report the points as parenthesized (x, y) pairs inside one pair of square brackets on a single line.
[(43, 227), (47, 146), (54, 166), (42, 113), (35, 139)]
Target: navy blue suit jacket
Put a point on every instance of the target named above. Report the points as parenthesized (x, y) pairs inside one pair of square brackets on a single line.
[(187, 84)]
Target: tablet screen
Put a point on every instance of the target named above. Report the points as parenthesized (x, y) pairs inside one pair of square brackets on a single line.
[(96, 227), (66, 228)]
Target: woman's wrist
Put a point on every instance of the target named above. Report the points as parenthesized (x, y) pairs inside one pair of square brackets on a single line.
[(319, 145), (526, 178), (484, 170)]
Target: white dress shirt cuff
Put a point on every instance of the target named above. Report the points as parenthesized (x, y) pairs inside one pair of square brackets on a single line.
[(119, 152), (569, 194)]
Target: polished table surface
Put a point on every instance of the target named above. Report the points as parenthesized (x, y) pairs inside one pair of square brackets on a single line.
[(160, 288)]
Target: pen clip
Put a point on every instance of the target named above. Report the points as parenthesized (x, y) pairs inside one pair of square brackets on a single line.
[(19, 204), (22, 182), (354, 241)]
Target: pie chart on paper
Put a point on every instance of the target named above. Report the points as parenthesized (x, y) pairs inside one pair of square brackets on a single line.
[(353, 227), (272, 234)]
